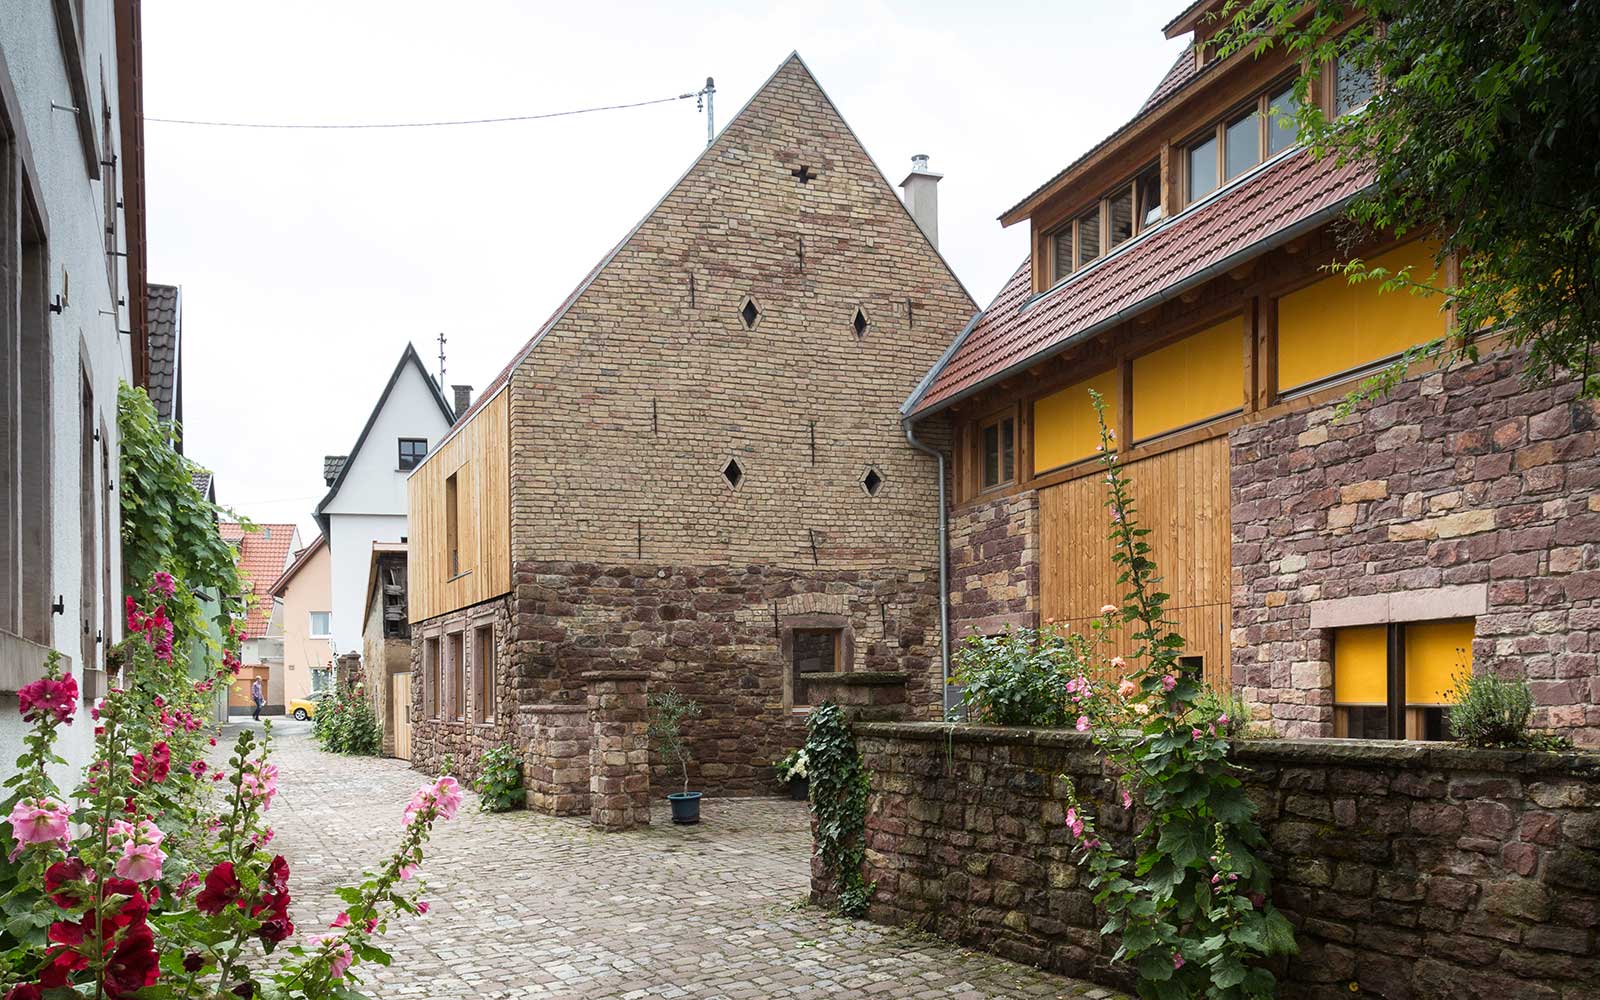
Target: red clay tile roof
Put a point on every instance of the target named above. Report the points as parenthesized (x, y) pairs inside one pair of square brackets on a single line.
[(281, 584), (263, 554), (1286, 197), (1183, 70)]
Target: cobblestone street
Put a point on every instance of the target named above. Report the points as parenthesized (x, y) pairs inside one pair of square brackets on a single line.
[(524, 905)]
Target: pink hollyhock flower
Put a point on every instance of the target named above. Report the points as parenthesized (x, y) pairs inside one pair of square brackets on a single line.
[(339, 964), (1195, 734), (261, 782), (197, 768), (422, 907), (46, 696), (448, 793), (342, 920), (190, 882), (1168, 682), (1127, 800), (1083, 723), (406, 872), (1118, 662), (163, 584), (1075, 822), (1127, 688), (1108, 609), (1177, 960), (38, 821), (1222, 720), (140, 862), (1111, 434)]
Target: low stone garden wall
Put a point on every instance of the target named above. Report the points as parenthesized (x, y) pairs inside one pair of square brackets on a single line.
[(1410, 870)]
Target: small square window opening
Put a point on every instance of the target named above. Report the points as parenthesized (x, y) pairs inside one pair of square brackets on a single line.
[(412, 452)]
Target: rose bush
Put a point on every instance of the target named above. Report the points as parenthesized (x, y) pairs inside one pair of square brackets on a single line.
[(154, 877)]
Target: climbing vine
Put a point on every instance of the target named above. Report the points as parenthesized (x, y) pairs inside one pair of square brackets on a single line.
[(839, 804), (168, 526), (1190, 905)]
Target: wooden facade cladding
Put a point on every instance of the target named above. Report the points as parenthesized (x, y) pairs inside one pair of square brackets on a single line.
[(474, 466), (1182, 496)]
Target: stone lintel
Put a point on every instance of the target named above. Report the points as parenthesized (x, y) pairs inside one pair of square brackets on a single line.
[(1467, 601)]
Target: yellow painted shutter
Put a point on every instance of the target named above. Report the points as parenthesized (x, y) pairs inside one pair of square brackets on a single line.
[(1361, 665), (1195, 379), (1065, 429), (1435, 653), (1334, 326)]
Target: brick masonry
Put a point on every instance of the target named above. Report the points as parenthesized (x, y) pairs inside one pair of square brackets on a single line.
[(1411, 871), (1459, 479), (629, 547), (994, 565)]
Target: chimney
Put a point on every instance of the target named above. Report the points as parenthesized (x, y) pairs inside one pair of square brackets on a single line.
[(463, 398), (922, 197)]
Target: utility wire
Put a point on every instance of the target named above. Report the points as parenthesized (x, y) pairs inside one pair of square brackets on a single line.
[(464, 121)]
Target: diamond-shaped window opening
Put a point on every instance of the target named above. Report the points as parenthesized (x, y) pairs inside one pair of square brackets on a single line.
[(871, 481), (749, 313), (732, 473), (859, 322)]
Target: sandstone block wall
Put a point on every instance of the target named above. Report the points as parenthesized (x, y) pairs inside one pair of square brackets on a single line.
[(1460, 479), (1411, 871), (434, 738), (994, 566)]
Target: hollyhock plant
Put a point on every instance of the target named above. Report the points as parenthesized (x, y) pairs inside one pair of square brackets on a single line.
[(53, 696), (38, 820)]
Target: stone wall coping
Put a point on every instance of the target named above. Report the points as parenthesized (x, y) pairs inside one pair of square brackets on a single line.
[(1577, 764), (858, 678), (619, 675), (555, 709)]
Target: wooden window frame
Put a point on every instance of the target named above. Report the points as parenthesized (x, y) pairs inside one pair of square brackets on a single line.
[(455, 641), (484, 707), (1101, 206), (843, 653), (1259, 106), (452, 525), (997, 418), (1402, 720), (432, 676)]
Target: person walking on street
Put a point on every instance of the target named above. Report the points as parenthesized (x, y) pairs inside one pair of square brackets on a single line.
[(255, 696)]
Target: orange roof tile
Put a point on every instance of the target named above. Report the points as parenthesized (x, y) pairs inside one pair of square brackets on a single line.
[(1290, 195), (263, 555)]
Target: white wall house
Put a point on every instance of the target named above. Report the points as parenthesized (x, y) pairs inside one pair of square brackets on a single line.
[(366, 499), (72, 325)]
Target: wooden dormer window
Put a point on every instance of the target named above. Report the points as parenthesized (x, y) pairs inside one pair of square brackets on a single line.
[(997, 451), (1115, 218), (1242, 141)]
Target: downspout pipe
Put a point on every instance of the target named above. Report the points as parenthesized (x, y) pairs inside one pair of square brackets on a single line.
[(944, 570)]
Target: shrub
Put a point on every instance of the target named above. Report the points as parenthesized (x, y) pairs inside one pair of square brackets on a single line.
[(792, 767), (1228, 712), (668, 712), (1493, 712), (499, 784), (346, 722), (1020, 677)]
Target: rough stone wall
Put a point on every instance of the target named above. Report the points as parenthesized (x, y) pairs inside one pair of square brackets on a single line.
[(433, 738), (994, 566), (1410, 871), (556, 772), (1462, 478), (716, 634)]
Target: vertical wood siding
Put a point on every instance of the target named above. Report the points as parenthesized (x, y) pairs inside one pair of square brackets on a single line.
[(1182, 497), (479, 458)]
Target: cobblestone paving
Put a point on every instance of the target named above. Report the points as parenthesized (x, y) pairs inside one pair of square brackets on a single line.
[(524, 905)]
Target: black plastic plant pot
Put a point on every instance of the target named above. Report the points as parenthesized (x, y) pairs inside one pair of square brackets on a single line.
[(685, 806), (799, 789)]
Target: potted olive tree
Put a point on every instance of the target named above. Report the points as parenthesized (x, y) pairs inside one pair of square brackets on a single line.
[(668, 711)]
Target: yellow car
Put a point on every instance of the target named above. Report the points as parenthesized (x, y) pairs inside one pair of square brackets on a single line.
[(303, 708)]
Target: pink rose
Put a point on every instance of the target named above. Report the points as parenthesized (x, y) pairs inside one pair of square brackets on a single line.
[(1083, 723), (1127, 688), (1108, 609)]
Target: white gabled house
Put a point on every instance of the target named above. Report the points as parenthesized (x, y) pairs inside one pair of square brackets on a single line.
[(366, 499)]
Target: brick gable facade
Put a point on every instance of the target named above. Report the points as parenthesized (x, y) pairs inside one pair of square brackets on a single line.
[(630, 548)]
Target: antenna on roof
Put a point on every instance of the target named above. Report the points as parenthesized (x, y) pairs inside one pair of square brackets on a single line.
[(441, 359), (703, 101)]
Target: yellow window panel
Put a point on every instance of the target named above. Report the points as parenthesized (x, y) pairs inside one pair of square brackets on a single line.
[(1361, 665), (1194, 379), (1435, 653), (1065, 428), (1333, 326)]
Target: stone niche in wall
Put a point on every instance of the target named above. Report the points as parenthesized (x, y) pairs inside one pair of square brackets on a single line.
[(1409, 869)]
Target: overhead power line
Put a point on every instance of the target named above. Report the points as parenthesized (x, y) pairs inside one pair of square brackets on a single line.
[(438, 124)]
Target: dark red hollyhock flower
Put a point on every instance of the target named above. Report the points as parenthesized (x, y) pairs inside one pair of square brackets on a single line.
[(134, 964), (193, 962), (63, 963), (70, 935), (273, 912), (277, 878), (245, 989), (59, 882), (24, 991), (153, 768), (221, 888), (132, 911)]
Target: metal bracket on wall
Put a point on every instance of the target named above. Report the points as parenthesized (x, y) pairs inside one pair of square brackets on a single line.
[(60, 606), (57, 306)]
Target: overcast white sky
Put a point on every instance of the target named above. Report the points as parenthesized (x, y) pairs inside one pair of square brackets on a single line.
[(308, 259)]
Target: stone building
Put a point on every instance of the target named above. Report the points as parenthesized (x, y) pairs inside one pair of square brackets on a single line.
[(1337, 573), (696, 467)]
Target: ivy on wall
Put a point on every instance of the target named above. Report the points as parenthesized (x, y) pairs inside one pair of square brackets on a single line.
[(839, 805)]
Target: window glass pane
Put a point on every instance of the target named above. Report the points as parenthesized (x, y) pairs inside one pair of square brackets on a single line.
[(1149, 191), (1063, 253), (1088, 236), (1352, 86), (1121, 222), (1202, 169), (991, 455), (1008, 467), (1244, 144), (1281, 110)]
